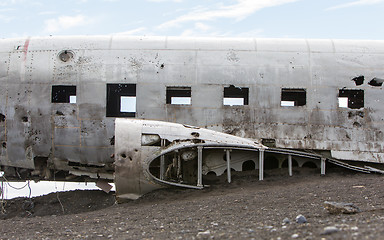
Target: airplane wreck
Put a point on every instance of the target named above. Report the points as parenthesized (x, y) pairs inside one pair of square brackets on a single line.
[(152, 112)]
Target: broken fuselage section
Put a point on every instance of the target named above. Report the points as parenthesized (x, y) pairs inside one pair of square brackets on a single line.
[(151, 154)]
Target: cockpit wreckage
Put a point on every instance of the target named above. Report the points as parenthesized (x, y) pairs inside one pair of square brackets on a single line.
[(123, 109)]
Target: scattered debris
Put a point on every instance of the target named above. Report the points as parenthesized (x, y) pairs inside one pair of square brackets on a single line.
[(204, 235), (301, 219), (295, 235), (286, 221), (340, 207), (329, 230)]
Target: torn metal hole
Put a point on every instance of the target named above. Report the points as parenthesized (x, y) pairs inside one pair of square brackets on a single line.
[(66, 55), (376, 82), (24, 119), (2, 117), (195, 134), (150, 140), (358, 80), (269, 142), (4, 144), (356, 124), (123, 155)]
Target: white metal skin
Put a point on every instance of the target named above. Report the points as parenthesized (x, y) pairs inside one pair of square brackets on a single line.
[(39, 138), (133, 157)]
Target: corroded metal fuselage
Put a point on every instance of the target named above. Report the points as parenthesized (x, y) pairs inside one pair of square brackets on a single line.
[(60, 97)]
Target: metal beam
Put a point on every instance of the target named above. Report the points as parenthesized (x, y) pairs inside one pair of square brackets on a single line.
[(162, 162), (261, 164), (290, 165), (323, 166), (199, 166), (228, 154)]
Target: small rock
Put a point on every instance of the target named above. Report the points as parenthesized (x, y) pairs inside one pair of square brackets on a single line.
[(330, 230), (286, 221), (340, 207), (355, 228), (301, 219), (295, 235), (204, 235)]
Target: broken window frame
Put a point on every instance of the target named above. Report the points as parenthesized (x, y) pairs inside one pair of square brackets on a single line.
[(179, 95), (293, 97), (63, 94), (235, 96), (115, 94), (355, 98)]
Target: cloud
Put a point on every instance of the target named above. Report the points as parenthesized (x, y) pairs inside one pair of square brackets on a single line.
[(164, 0), (136, 31), (6, 19), (7, 2), (242, 9), (356, 3), (47, 13), (66, 22)]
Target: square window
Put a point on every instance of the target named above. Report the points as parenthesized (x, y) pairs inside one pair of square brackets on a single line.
[(235, 96), (293, 97), (353, 99), (63, 94), (179, 95), (121, 100)]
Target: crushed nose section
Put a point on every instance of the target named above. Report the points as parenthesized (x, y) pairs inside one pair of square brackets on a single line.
[(151, 154), (130, 180)]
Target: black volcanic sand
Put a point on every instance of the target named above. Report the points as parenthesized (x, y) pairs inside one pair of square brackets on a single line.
[(245, 209)]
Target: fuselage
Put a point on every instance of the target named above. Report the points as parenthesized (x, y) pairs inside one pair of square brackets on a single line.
[(60, 96)]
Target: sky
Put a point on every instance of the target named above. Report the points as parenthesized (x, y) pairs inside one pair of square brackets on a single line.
[(335, 19)]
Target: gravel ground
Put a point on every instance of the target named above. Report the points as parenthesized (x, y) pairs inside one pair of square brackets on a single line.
[(244, 209)]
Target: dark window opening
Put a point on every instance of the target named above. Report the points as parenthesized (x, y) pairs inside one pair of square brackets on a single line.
[(235, 96), (179, 95), (351, 98), (293, 97), (121, 100), (63, 94)]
